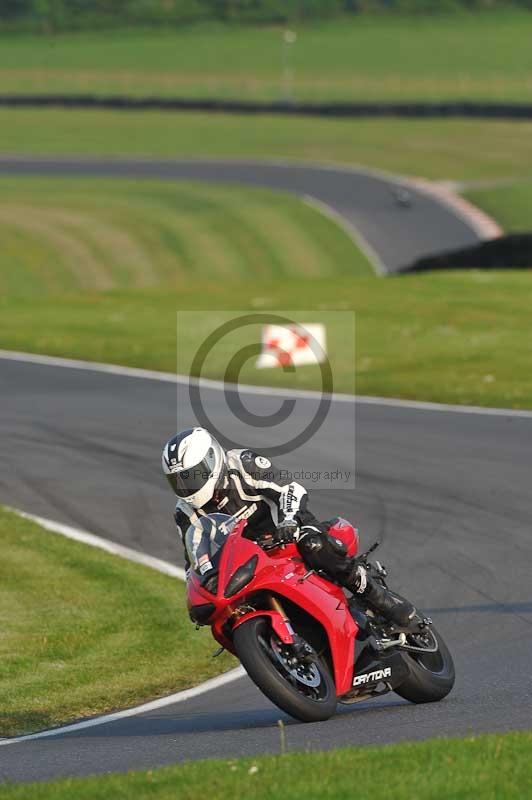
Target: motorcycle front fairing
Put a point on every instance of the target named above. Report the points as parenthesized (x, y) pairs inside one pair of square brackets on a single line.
[(282, 573), (247, 581)]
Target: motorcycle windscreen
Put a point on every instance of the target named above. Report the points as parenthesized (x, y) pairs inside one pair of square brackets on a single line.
[(205, 539)]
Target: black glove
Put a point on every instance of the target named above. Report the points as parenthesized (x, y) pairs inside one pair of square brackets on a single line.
[(287, 531), (357, 578)]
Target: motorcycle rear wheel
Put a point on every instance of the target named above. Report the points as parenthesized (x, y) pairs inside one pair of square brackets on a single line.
[(431, 676), (309, 698)]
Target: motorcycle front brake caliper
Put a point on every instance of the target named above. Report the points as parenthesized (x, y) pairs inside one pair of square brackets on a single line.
[(303, 651)]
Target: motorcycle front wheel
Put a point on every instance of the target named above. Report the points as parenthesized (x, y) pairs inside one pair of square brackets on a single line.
[(306, 691)]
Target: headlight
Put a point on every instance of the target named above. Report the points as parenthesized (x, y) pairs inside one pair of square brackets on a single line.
[(211, 583), (241, 577), (202, 613)]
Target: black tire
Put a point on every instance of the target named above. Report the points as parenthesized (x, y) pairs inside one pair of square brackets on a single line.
[(249, 640), (431, 677)]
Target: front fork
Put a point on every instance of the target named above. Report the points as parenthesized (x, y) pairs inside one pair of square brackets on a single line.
[(302, 651), (282, 627), (278, 619), (276, 606)]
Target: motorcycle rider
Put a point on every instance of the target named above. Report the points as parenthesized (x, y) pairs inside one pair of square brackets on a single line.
[(245, 485)]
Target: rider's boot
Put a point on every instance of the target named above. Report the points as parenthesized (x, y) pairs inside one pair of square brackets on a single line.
[(379, 598)]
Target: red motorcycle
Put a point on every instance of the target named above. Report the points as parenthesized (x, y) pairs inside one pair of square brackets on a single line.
[(302, 641)]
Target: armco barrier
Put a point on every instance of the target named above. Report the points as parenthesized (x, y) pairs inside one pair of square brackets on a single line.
[(513, 251), (448, 109)]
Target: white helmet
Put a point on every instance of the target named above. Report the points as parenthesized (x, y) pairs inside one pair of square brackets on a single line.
[(194, 463)]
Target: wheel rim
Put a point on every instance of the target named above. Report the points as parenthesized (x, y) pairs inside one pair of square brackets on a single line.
[(431, 661), (307, 679)]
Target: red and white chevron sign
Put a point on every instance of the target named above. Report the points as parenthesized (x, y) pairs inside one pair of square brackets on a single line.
[(292, 345)]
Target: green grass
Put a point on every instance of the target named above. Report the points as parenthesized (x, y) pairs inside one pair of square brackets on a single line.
[(510, 205), (446, 149), (463, 338), (98, 270), (494, 767), (367, 57), (84, 632), (69, 235)]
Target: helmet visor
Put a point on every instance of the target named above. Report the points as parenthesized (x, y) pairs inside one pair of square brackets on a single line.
[(187, 482)]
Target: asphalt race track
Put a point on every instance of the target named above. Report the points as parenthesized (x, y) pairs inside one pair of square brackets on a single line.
[(394, 221), (448, 493)]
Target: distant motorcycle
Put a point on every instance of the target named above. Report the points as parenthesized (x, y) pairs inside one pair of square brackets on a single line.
[(301, 640)]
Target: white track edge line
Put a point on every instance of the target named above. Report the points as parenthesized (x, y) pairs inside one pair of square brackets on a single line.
[(353, 233), (169, 377), (153, 705), (140, 558), (166, 567)]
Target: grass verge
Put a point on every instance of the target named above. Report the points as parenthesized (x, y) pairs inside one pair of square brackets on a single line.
[(446, 149), (357, 58), (68, 235), (509, 205), (84, 632), (459, 338), (485, 767)]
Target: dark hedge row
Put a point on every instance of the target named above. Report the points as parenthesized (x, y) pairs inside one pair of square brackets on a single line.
[(52, 15), (512, 251), (412, 110)]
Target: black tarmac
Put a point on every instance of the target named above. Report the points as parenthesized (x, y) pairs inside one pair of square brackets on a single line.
[(447, 493)]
